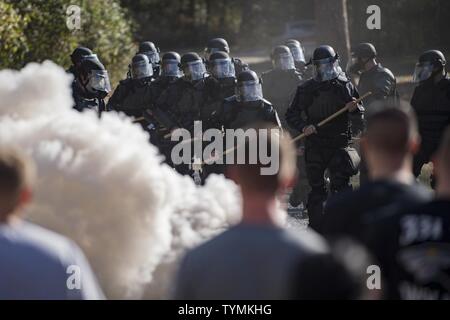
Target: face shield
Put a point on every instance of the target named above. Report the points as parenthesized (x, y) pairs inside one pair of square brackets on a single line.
[(423, 71), (222, 68), (248, 91), (98, 82), (326, 69), (152, 56), (209, 52), (170, 68), (141, 69), (298, 54), (284, 61), (194, 70)]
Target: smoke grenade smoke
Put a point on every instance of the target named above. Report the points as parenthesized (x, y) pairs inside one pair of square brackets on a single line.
[(103, 185)]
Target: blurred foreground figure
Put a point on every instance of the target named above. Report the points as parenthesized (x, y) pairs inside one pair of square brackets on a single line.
[(412, 244), (431, 101), (220, 44), (35, 263), (327, 147), (256, 259), (338, 275), (92, 85), (389, 144), (279, 87)]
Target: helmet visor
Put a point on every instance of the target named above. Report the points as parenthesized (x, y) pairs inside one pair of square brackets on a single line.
[(170, 68), (194, 70), (326, 69), (247, 91), (298, 54), (152, 56), (222, 68), (284, 61), (209, 52), (99, 81), (141, 69), (422, 72)]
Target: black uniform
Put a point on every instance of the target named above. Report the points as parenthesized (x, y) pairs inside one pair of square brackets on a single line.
[(181, 102), (91, 85), (350, 214), (329, 148), (412, 247), (216, 91), (131, 97), (431, 103), (85, 100), (238, 115), (381, 82), (279, 87)]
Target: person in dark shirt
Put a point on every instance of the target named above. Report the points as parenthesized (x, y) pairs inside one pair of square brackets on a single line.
[(413, 244), (431, 102), (256, 259), (389, 144)]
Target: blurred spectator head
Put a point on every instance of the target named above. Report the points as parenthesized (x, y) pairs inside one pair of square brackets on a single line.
[(338, 275), (250, 174), (441, 162), (391, 137), (16, 180)]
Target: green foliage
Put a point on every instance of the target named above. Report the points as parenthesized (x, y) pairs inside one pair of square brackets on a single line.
[(12, 39), (36, 30)]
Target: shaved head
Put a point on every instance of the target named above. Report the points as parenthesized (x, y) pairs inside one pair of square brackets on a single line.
[(391, 129)]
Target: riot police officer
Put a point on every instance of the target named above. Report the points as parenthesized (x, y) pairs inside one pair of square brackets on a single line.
[(130, 95), (220, 84), (431, 102), (157, 119), (182, 101), (279, 86), (152, 52), (298, 53), (185, 98), (373, 76), (91, 86), (220, 44), (248, 105), (326, 147), (170, 71), (76, 57)]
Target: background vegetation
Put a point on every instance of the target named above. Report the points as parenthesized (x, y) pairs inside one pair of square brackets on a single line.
[(35, 30)]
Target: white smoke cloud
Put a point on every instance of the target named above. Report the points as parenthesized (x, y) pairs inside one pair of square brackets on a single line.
[(103, 185)]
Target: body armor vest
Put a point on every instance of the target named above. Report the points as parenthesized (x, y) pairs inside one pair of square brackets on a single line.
[(329, 99), (279, 87), (431, 103)]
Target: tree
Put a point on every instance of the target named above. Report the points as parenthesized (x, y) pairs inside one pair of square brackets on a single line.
[(36, 30)]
